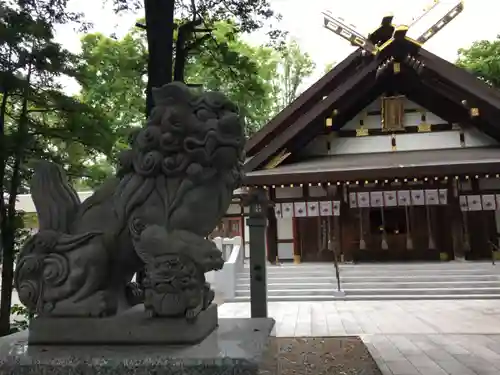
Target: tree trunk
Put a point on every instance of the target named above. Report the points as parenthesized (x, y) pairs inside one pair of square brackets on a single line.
[(3, 154), (180, 57), (7, 271), (7, 279), (160, 34), (8, 224)]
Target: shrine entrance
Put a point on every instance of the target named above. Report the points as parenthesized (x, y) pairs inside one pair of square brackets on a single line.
[(401, 225), (315, 238)]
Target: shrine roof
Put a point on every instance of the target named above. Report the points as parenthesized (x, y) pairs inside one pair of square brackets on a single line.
[(432, 82), (388, 165)]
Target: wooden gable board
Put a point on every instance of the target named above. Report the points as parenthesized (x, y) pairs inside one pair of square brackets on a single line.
[(365, 76)]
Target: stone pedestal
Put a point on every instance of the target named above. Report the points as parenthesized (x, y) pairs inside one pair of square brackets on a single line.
[(132, 327), (235, 347)]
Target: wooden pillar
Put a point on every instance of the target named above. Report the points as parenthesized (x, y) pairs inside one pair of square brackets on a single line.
[(431, 244), (242, 224), (455, 217), (296, 241), (343, 223), (477, 228), (409, 237), (272, 230), (338, 238), (297, 236), (333, 235)]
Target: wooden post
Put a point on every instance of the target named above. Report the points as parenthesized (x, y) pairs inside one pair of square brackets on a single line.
[(272, 230), (384, 245), (343, 224), (431, 244), (362, 242), (456, 220), (409, 239), (297, 242)]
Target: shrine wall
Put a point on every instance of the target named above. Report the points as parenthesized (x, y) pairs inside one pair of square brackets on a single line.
[(408, 142), (332, 144)]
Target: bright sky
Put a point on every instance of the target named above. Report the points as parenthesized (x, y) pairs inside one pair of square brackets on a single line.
[(304, 22)]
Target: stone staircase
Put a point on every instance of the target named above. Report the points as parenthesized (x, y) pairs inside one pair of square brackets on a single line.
[(403, 281)]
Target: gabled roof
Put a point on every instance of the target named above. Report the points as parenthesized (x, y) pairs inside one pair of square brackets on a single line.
[(428, 80), (304, 102)]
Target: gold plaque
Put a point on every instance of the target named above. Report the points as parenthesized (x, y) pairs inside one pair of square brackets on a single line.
[(392, 112), (423, 127), (361, 132)]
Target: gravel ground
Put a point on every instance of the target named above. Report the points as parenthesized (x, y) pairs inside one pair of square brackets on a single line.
[(318, 356)]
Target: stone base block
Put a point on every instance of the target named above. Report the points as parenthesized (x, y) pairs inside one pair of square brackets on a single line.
[(237, 346), (132, 327)]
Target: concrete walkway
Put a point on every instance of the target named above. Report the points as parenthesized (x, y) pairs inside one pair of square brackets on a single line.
[(405, 337)]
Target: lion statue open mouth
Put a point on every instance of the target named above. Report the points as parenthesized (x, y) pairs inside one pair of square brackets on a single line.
[(172, 188)]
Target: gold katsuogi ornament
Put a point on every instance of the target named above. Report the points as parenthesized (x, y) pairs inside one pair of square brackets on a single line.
[(385, 33)]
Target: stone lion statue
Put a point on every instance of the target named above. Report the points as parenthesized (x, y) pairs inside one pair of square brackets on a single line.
[(172, 187)]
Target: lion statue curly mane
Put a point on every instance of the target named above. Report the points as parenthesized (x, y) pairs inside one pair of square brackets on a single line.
[(172, 188)]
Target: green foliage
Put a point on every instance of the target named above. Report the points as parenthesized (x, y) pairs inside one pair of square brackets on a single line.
[(113, 75), (247, 15), (37, 120), (21, 318), (294, 67), (483, 60), (260, 79), (243, 72), (329, 67)]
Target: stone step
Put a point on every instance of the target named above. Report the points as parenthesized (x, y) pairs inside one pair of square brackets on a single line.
[(361, 270), (315, 284), (379, 278), (381, 273), (369, 266), (371, 298), (353, 279), (377, 266), (421, 278), (311, 284), (325, 291), (379, 291), (382, 281), (424, 291), (421, 285)]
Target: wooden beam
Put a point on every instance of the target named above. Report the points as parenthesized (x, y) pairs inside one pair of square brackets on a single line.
[(417, 171), (441, 127)]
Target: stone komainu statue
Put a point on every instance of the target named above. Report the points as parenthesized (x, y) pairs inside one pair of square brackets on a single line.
[(172, 187)]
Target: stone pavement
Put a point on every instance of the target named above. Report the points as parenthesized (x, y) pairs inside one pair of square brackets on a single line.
[(454, 337)]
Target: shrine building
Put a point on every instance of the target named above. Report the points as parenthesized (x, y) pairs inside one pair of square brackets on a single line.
[(393, 155)]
